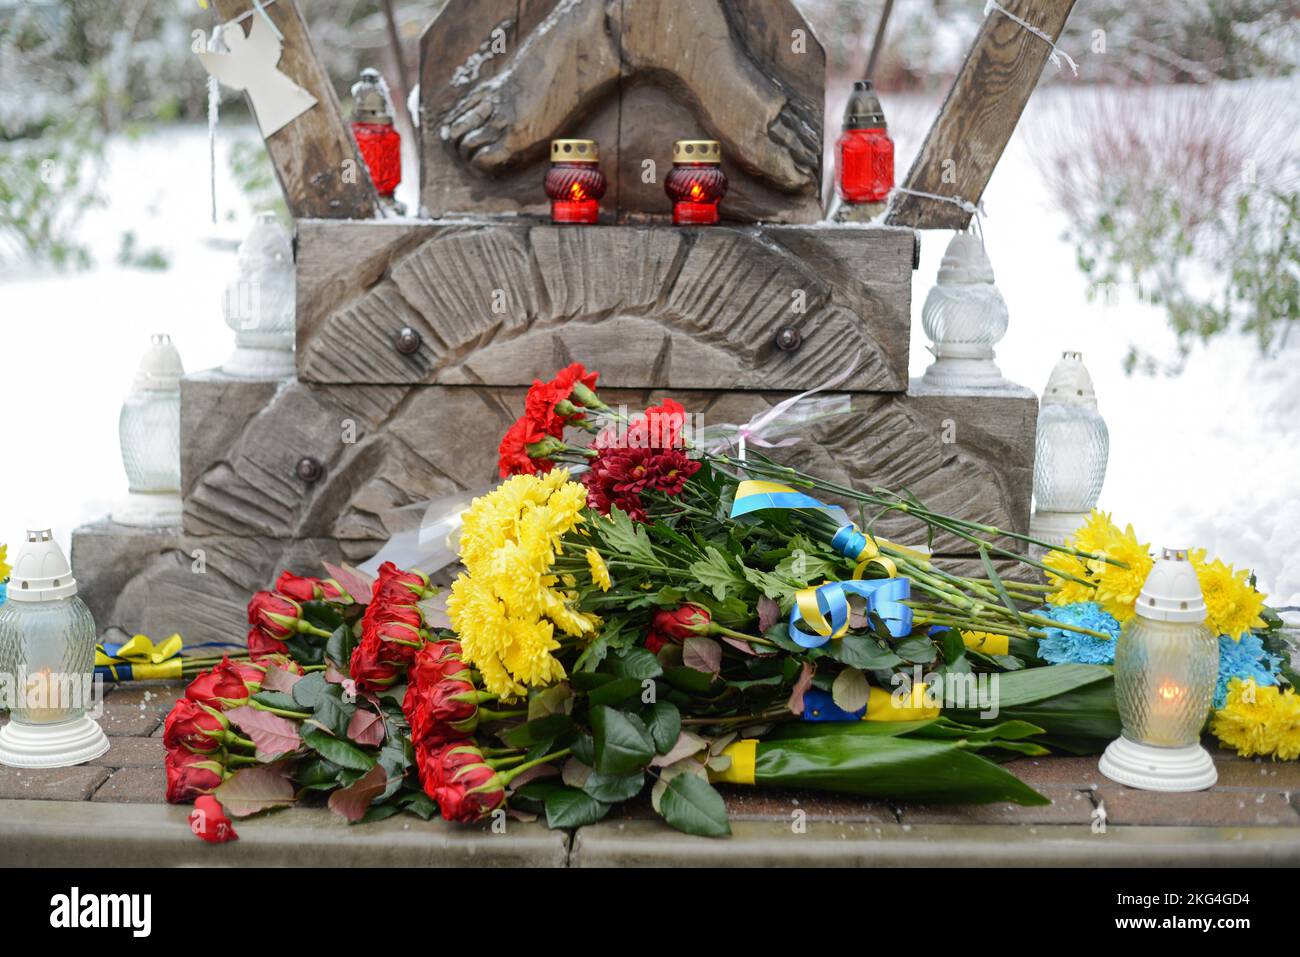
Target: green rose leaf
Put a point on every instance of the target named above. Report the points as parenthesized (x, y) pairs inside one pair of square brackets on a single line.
[(691, 804), (665, 724), (343, 753), (569, 807), (623, 743)]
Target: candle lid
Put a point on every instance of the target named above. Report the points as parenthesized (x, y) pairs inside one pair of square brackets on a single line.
[(1172, 591), (575, 151), (1070, 383), (697, 151), (161, 368), (965, 260), (370, 100), (863, 111), (41, 571)]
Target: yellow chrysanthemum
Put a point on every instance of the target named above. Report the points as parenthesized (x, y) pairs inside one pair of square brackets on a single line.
[(5, 568), (599, 570), (505, 606), (1259, 720), (1232, 604), (1066, 590), (1118, 587)]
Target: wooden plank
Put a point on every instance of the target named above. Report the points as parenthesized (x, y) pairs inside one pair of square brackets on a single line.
[(386, 447), (652, 307), (980, 114), (315, 158)]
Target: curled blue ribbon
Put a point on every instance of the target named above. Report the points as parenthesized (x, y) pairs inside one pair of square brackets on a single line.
[(884, 596)]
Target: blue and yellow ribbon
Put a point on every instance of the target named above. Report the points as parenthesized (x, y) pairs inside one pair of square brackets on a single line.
[(139, 658), (825, 608)]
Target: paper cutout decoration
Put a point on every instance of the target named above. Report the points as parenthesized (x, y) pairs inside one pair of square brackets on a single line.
[(250, 66)]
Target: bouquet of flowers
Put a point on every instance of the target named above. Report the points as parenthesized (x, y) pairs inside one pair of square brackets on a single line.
[(644, 613)]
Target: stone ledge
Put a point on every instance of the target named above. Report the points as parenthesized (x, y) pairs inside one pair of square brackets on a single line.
[(825, 844), (60, 834)]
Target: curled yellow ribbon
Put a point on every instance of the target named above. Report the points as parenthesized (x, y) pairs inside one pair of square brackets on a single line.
[(143, 657)]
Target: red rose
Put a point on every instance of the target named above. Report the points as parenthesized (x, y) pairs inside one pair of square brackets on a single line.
[(195, 727), (209, 821), (435, 762), (368, 667), (311, 589), (260, 644), (398, 586), (190, 774), (655, 641), (463, 786), (441, 703), (280, 661), (387, 613), (224, 686), (280, 617), (681, 623)]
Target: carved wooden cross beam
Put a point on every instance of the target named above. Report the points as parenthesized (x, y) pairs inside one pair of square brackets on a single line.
[(315, 157), (980, 114)]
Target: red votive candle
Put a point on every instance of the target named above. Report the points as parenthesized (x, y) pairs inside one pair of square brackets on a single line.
[(696, 183), (864, 172), (372, 126), (574, 183)]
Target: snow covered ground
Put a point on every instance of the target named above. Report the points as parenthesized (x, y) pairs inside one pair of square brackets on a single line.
[(1211, 458)]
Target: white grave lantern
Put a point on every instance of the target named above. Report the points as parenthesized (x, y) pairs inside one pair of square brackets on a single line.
[(149, 429), (1071, 451), (965, 316), (47, 656), (259, 303)]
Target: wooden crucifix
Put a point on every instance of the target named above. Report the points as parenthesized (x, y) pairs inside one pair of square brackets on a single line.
[(979, 115)]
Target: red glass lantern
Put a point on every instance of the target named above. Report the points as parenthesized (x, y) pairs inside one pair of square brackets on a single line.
[(574, 183), (377, 138), (696, 183), (865, 171)]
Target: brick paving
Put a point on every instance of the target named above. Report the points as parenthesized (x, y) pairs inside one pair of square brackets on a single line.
[(1250, 793)]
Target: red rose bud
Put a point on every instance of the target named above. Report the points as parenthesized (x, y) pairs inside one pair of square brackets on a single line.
[(280, 661), (261, 644), (209, 821), (683, 622), (464, 790), (311, 589), (281, 617), (190, 774), (655, 641), (222, 687), (441, 703), (368, 668), (195, 727), (403, 587), (386, 612), (435, 762)]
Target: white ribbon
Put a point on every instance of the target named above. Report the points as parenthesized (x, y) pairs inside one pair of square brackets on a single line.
[(1057, 53)]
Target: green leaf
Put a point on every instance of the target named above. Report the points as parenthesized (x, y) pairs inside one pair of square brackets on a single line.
[(533, 732), (997, 583), (343, 753), (919, 650), (331, 711), (717, 574), (691, 804), (338, 648), (626, 537), (638, 663), (776, 587), (665, 724), (623, 743), (584, 749), (277, 699), (570, 807), (689, 680), (615, 692), (864, 652), (611, 789), (307, 691), (850, 690), (804, 568)]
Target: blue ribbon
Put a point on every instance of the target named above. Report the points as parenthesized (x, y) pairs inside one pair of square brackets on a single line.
[(884, 596)]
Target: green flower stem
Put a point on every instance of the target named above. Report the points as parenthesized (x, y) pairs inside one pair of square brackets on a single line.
[(778, 714), (715, 628), (487, 714), (508, 776), (498, 752), (496, 764), (233, 758), (282, 712), (232, 738)]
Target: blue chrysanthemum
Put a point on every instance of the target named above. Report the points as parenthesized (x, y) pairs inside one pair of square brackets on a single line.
[(1244, 659), (1061, 646)]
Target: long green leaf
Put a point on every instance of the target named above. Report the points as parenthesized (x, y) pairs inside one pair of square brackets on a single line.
[(690, 804)]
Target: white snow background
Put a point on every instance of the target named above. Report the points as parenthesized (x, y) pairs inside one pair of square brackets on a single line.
[(1211, 458)]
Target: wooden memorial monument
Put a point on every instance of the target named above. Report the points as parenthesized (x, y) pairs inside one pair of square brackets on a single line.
[(417, 338)]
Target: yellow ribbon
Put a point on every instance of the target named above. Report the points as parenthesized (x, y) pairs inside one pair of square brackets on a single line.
[(987, 643), (881, 707), (743, 754), (146, 659)]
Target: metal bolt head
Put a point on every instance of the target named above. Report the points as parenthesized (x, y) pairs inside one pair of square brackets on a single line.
[(788, 339), (309, 469), (407, 341)]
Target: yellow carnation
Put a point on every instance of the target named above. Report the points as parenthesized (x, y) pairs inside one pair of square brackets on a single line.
[(1232, 604), (1259, 720), (599, 570)]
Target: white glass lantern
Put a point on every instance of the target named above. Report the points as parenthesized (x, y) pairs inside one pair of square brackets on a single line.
[(149, 429), (1166, 664), (47, 659), (1071, 452), (965, 316), (259, 303)]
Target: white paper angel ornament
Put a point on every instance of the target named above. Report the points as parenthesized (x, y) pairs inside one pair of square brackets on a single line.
[(250, 66)]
